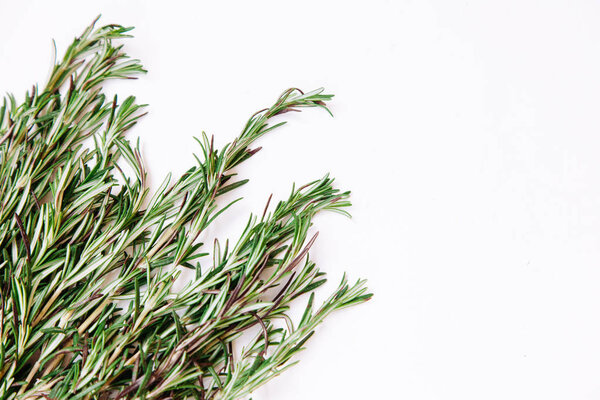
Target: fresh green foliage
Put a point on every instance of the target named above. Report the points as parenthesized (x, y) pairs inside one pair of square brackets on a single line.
[(88, 263)]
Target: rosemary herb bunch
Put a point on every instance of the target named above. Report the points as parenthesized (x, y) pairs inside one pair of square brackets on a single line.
[(88, 260)]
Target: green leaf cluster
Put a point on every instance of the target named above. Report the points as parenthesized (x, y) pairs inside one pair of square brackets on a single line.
[(88, 259)]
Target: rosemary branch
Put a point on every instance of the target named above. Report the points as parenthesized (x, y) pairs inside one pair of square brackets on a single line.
[(87, 264)]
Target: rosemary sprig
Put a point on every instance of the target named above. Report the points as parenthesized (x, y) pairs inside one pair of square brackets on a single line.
[(87, 306)]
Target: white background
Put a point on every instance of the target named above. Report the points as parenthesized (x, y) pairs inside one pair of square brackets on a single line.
[(468, 132)]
